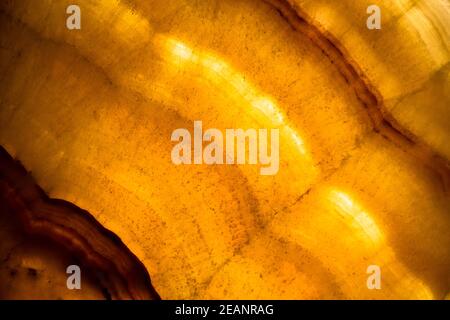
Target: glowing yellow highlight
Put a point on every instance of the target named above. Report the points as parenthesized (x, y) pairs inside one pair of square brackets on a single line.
[(219, 71), (360, 220), (182, 51), (357, 218), (296, 138)]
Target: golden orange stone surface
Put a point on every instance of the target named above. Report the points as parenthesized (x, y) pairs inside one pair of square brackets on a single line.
[(364, 122)]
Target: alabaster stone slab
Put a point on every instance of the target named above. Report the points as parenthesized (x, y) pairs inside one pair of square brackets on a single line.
[(362, 114)]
